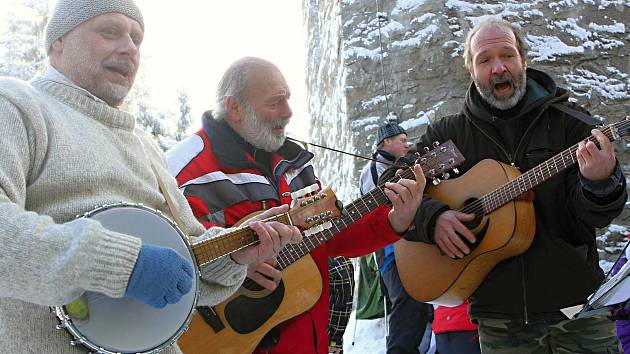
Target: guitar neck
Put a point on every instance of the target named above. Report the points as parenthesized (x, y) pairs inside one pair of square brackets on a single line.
[(214, 248), (434, 163), (534, 176), (352, 212)]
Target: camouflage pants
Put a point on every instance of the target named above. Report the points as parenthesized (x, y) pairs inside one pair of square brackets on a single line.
[(594, 335)]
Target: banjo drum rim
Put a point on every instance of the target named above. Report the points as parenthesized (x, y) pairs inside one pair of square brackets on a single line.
[(66, 323)]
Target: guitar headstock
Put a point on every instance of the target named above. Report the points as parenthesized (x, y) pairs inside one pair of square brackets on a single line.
[(437, 162), (313, 210), (619, 129)]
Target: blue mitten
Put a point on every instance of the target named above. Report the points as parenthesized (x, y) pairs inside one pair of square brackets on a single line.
[(161, 276)]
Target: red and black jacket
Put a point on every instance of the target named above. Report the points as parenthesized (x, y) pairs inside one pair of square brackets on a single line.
[(224, 179)]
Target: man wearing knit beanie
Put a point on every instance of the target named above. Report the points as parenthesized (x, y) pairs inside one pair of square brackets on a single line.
[(390, 130), (409, 318), (109, 32), (68, 14), (65, 148)]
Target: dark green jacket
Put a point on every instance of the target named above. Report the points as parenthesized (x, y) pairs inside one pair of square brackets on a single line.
[(561, 268)]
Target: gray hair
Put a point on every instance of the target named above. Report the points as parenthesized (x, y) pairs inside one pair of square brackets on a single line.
[(235, 80), (521, 46)]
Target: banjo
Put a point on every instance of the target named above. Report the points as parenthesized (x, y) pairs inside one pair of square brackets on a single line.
[(124, 325)]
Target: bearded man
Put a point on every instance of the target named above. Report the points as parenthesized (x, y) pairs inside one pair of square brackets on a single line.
[(240, 162), (517, 115)]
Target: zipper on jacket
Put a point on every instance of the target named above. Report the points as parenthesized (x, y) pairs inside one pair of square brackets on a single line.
[(512, 162), (496, 143), (529, 127), (314, 334), (525, 311), (509, 156)]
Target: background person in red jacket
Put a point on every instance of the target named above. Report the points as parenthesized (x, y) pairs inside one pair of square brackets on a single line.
[(454, 332), (240, 162)]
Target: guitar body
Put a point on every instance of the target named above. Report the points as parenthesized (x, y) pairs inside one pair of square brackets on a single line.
[(249, 314), (430, 276)]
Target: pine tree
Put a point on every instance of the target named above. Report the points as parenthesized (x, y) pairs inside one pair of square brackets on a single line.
[(149, 117), (22, 54), (185, 119)]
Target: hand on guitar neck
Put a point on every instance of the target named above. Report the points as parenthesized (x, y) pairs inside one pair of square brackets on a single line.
[(406, 196), (596, 164), (273, 237)]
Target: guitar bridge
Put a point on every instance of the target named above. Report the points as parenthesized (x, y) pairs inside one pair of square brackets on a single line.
[(212, 319)]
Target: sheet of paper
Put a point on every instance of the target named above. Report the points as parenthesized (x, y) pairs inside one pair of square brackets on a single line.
[(618, 294), (570, 312)]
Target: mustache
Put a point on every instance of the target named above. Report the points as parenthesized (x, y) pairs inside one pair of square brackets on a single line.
[(279, 124), (503, 78), (121, 65)]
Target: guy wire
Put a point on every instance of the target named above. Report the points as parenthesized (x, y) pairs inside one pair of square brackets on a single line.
[(380, 43)]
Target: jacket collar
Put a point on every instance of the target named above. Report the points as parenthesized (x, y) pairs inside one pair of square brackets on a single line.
[(384, 156), (540, 89)]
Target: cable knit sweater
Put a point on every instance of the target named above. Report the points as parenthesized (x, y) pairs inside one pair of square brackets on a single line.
[(63, 152)]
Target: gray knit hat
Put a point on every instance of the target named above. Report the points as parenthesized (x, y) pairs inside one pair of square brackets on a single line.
[(70, 13), (389, 130)]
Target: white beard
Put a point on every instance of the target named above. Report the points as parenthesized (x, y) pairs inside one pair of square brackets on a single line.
[(259, 133)]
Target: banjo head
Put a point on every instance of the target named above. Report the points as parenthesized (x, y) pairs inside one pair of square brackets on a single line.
[(125, 325)]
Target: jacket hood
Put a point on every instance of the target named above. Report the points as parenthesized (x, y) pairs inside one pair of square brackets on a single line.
[(539, 90)]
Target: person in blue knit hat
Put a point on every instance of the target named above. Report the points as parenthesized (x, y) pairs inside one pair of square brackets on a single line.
[(409, 318)]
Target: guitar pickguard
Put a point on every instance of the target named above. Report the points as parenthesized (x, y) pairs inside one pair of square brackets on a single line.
[(246, 314)]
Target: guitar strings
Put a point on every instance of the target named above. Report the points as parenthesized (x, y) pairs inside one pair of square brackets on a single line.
[(502, 195), (354, 211)]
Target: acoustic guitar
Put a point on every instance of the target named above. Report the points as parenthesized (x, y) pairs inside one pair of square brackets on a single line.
[(238, 324), (504, 226)]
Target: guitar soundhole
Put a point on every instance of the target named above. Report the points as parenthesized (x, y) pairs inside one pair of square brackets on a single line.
[(245, 314), (252, 285), (479, 225)]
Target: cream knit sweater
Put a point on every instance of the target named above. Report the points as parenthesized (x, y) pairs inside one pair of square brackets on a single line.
[(63, 152)]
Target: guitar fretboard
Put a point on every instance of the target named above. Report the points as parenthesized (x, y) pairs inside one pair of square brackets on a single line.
[(352, 212), (536, 175), (432, 163)]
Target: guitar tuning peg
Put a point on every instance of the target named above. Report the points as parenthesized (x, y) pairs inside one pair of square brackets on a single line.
[(446, 175), (436, 144), (426, 149), (436, 181), (456, 170)]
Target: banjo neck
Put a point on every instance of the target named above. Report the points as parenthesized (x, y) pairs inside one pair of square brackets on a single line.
[(211, 249), (309, 212)]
